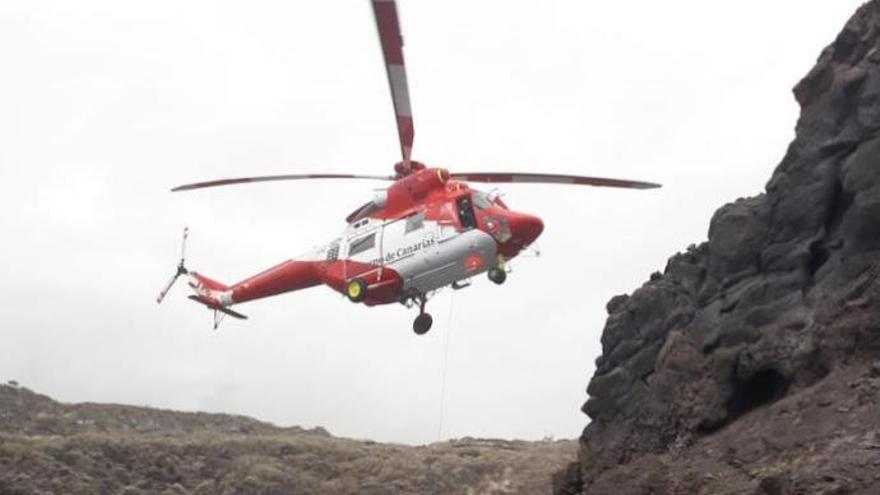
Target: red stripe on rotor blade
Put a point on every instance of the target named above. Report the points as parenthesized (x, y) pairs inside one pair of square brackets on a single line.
[(388, 25), (389, 31)]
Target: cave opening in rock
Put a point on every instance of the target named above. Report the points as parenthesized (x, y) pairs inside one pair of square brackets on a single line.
[(837, 207), (819, 254), (764, 387)]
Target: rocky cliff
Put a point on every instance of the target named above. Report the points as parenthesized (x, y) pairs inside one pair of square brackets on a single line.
[(752, 363)]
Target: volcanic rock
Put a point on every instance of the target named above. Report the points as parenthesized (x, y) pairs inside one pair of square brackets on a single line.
[(750, 366)]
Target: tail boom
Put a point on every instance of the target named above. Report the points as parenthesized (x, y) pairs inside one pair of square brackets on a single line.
[(286, 277)]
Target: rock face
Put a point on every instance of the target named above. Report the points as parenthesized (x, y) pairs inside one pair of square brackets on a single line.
[(751, 364)]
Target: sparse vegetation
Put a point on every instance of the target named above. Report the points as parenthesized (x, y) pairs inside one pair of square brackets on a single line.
[(47, 447)]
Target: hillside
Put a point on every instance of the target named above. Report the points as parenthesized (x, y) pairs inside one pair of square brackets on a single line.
[(51, 448), (751, 365)]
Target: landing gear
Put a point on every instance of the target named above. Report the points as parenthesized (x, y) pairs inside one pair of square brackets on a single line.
[(356, 290), (423, 322), (497, 275)]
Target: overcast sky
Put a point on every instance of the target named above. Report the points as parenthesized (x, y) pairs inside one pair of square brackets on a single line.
[(106, 104)]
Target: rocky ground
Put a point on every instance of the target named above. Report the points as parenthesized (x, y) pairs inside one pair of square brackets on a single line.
[(51, 448), (751, 365)]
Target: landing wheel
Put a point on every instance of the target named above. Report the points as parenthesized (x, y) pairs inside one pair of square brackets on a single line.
[(422, 324), (497, 275), (356, 290)]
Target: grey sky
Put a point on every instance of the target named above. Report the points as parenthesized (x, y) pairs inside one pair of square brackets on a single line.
[(104, 105)]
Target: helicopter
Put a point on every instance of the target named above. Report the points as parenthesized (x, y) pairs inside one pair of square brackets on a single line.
[(429, 229)]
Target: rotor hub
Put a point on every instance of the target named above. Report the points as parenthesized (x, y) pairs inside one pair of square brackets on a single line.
[(402, 169)]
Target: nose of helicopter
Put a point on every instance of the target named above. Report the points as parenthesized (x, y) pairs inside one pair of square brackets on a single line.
[(525, 228)]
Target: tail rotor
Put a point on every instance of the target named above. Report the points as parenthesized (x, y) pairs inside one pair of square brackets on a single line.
[(181, 269)]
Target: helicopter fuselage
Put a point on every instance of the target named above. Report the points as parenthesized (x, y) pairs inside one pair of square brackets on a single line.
[(423, 233)]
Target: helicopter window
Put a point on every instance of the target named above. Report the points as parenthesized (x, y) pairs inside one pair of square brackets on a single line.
[(414, 222), (466, 212), (362, 244), (333, 251), (481, 200)]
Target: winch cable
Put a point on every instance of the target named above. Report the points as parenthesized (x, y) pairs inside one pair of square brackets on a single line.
[(443, 369)]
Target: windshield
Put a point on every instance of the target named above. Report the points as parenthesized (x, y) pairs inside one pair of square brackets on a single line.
[(481, 200), (466, 212)]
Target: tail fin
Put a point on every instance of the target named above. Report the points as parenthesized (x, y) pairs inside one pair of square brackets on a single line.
[(210, 292), (213, 295)]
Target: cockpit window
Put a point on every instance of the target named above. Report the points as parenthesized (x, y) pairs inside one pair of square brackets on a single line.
[(481, 200), (466, 212)]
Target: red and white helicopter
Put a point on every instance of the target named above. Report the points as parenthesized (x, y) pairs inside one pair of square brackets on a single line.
[(426, 231)]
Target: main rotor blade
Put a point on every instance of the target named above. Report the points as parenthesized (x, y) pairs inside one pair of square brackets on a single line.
[(551, 179), (385, 12), (271, 178)]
